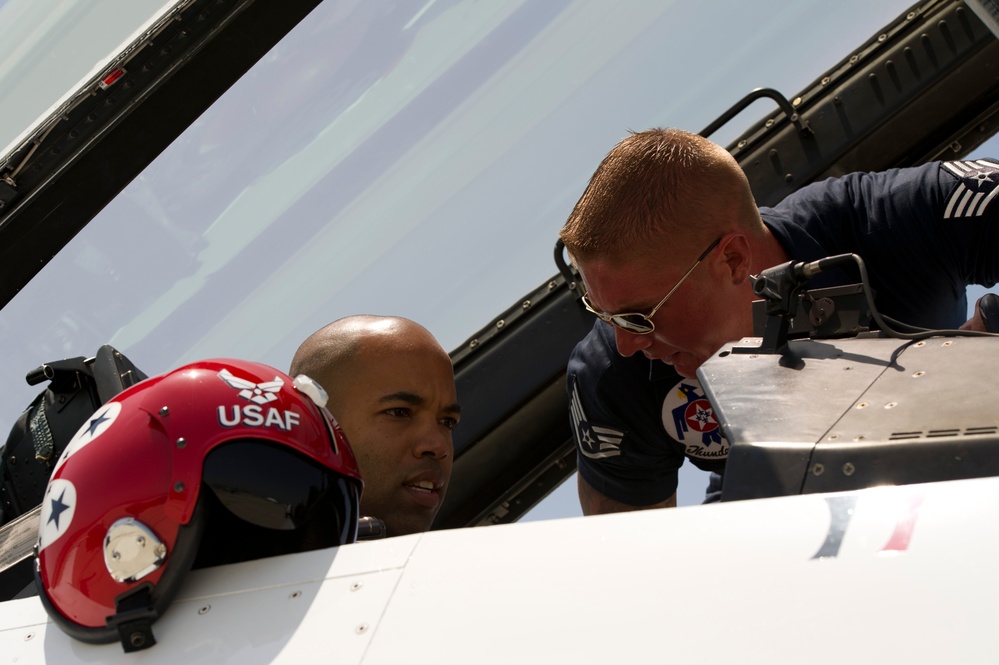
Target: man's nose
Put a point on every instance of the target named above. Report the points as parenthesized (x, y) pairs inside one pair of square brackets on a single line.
[(434, 441), (628, 344)]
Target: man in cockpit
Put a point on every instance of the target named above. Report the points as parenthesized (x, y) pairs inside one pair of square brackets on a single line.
[(391, 388), (665, 237)]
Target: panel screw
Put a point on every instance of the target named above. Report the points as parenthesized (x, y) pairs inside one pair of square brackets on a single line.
[(361, 628), (818, 469), (500, 323), (848, 469), (356, 586), (525, 305), (295, 594), (918, 374), (891, 405), (863, 405), (181, 442), (178, 487), (204, 609), (164, 411)]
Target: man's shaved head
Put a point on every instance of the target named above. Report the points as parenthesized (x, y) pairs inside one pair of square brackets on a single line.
[(391, 388)]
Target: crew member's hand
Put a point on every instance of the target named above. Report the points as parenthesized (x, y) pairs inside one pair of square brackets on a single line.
[(986, 317)]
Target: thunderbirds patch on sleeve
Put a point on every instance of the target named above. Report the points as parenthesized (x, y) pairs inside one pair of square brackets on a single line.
[(594, 441), (690, 419), (976, 189)]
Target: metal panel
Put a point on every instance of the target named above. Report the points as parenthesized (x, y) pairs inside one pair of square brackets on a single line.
[(936, 417), (286, 609), (838, 578), (852, 413), (769, 581), (774, 408)]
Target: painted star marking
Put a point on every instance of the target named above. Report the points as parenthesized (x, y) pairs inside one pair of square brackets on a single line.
[(58, 507), (96, 422)]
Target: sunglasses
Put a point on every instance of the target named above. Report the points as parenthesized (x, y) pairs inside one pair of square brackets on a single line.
[(636, 322)]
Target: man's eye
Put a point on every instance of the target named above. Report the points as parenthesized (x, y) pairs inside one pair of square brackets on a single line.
[(399, 412), (449, 423)]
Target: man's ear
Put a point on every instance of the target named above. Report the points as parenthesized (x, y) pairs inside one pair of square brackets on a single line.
[(734, 257)]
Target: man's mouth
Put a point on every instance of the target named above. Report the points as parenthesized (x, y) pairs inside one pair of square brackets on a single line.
[(423, 485), (424, 492)]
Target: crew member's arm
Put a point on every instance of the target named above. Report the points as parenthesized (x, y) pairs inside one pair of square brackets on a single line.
[(623, 450), (595, 503)]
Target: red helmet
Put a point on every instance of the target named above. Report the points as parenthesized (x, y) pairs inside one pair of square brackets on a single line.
[(216, 462)]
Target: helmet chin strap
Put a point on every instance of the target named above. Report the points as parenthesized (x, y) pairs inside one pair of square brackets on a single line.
[(134, 619)]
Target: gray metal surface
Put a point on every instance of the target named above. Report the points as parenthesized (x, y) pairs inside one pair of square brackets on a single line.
[(852, 413)]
